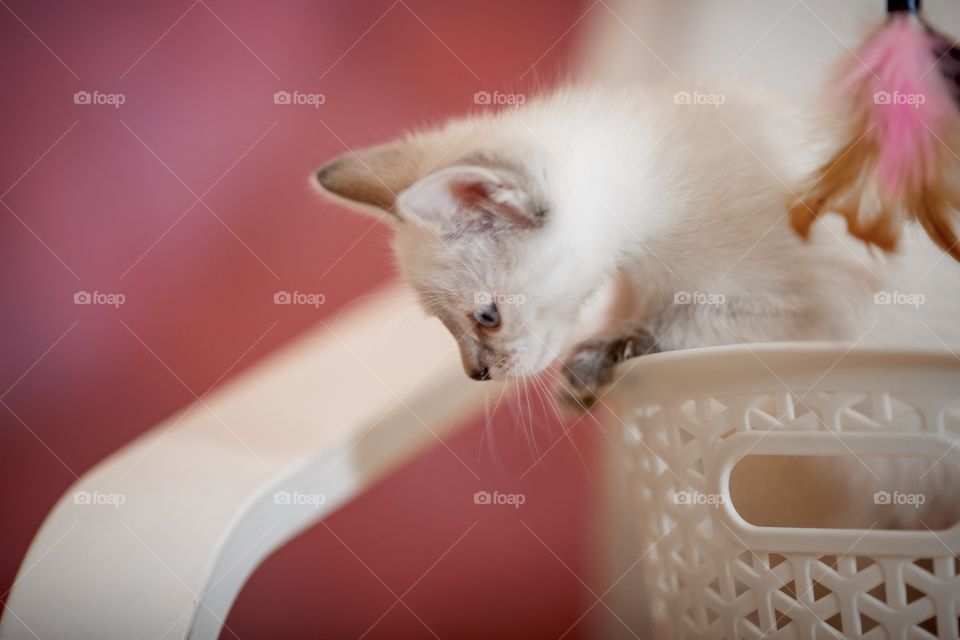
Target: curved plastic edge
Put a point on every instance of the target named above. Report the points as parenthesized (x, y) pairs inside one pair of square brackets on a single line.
[(157, 540)]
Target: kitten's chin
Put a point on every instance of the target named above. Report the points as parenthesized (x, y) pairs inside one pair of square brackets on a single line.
[(537, 366)]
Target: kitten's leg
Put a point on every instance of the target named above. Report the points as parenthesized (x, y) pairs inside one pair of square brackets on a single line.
[(590, 366)]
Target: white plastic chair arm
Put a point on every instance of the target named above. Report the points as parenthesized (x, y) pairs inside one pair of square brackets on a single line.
[(157, 540)]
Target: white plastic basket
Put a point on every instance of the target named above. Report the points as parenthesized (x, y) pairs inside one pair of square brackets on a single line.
[(690, 416)]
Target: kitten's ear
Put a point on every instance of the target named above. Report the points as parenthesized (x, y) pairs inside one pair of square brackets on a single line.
[(471, 198), (371, 179)]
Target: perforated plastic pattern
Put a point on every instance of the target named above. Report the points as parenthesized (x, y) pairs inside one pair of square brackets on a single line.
[(690, 416)]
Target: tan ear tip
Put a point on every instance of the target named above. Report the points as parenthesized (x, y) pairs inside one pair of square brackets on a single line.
[(325, 175)]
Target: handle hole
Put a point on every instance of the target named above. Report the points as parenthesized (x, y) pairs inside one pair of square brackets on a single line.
[(846, 492)]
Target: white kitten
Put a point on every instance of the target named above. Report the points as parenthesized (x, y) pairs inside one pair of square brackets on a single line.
[(508, 224)]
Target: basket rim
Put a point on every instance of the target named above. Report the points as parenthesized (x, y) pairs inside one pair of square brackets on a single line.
[(794, 366)]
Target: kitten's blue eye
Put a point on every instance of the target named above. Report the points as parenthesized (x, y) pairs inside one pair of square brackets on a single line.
[(487, 317)]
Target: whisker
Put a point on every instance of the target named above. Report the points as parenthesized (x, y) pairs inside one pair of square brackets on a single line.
[(547, 396), (566, 430), (533, 435)]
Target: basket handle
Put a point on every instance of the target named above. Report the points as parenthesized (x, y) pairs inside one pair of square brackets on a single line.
[(832, 541)]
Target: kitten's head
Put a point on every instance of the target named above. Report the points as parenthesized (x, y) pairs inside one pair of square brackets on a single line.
[(477, 238)]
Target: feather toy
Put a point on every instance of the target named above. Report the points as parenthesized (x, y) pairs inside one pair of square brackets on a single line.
[(899, 97)]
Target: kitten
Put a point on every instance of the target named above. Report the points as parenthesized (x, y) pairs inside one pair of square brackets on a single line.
[(510, 224)]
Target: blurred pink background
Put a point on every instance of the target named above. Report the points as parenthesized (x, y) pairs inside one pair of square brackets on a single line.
[(191, 200)]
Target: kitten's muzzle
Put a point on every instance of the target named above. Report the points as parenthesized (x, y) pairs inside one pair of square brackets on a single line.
[(480, 374)]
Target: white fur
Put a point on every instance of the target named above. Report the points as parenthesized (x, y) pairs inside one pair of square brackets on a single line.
[(671, 198), (648, 201)]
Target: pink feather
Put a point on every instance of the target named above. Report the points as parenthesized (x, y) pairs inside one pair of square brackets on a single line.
[(909, 103)]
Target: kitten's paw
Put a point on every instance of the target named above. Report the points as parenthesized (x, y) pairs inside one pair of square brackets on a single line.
[(588, 371), (590, 368), (571, 403)]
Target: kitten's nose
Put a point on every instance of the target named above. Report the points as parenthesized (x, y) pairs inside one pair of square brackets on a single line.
[(480, 374)]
